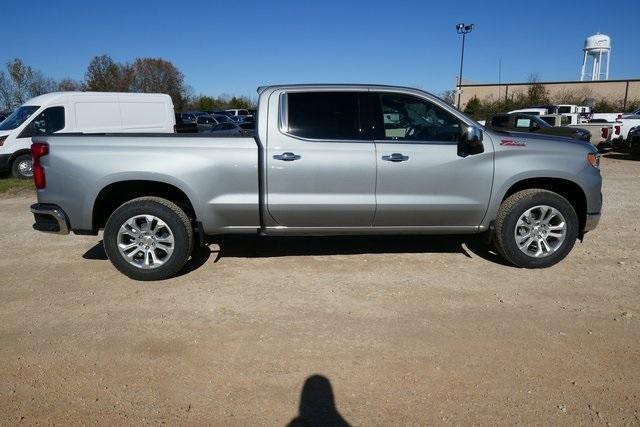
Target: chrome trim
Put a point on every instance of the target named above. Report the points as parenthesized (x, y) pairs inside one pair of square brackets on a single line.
[(55, 212), (283, 113)]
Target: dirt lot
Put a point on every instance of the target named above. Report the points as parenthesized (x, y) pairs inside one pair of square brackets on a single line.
[(391, 331)]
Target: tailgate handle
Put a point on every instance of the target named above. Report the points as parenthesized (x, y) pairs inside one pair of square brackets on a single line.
[(287, 157), (396, 157)]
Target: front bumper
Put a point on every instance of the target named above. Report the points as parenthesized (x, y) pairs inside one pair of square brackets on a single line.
[(49, 218), (5, 162), (592, 221)]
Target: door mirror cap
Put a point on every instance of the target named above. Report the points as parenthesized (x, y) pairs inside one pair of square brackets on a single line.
[(473, 136)]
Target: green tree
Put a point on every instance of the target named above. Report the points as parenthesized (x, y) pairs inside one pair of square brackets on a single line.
[(473, 107), (105, 75)]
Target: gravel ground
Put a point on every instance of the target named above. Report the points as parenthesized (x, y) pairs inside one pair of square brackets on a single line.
[(375, 331)]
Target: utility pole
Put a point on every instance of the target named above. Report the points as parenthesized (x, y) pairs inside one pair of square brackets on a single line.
[(463, 29)]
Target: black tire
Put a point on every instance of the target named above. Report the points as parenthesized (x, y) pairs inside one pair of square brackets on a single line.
[(175, 219), (17, 169), (509, 213)]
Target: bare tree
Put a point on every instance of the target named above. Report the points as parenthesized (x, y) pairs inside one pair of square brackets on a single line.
[(157, 75), (69, 85)]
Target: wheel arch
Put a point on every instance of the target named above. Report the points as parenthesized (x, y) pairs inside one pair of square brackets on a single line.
[(568, 189), (116, 193)]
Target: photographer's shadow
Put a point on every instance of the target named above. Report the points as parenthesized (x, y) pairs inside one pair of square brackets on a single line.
[(317, 405)]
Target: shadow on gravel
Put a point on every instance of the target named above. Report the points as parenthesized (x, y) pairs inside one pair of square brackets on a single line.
[(271, 247), (199, 257), (267, 247), (621, 156), (317, 405)]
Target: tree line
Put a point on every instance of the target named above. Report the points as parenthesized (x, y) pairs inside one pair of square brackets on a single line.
[(20, 82)]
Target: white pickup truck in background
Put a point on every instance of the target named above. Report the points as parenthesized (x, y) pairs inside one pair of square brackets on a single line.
[(76, 112)]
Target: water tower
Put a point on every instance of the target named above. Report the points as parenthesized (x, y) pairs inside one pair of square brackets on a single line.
[(595, 48)]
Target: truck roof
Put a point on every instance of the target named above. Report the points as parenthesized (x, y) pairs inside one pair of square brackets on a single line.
[(261, 89), (54, 96)]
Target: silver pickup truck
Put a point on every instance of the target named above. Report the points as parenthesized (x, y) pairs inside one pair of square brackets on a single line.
[(325, 160)]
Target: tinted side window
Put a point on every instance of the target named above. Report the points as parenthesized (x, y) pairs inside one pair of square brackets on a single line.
[(500, 121), (409, 118), (49, 121), (324, 115)]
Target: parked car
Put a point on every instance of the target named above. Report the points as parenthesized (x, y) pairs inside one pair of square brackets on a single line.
[(184, 127), (238, 112), (313, 168), (247, 127), (525, 123), (623, 126), (188, 117), (633, 113), (222, 118), (79, 112), (226, 129), (634, 141), (205, 123)]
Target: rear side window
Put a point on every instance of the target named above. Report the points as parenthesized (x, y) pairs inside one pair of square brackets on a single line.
[(49, 121), (323, 115)]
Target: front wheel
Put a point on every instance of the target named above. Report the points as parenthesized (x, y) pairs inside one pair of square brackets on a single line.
[(148, 238), (22, 167), (535, 228)]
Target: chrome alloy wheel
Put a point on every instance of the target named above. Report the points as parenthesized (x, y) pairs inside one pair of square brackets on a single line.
[(145, 241), (540, 231), (25, 168)]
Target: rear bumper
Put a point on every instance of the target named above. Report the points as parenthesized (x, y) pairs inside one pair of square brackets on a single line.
[(49, 219)]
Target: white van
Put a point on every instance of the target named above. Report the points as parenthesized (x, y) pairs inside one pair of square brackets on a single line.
[(87, 112)]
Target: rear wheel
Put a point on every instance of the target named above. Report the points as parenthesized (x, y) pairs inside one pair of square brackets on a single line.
[(22, 167), (535, 228), (148, 238)]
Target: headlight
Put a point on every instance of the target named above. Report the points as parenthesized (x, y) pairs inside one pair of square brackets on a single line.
[(594, 160)]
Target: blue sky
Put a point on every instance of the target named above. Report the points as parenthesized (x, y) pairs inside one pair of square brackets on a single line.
[(234, 46)]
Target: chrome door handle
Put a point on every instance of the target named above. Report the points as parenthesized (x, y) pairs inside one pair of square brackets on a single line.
[(396, 157), (286, 157)]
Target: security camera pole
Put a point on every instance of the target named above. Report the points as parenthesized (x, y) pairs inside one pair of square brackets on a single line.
[(463, 29)]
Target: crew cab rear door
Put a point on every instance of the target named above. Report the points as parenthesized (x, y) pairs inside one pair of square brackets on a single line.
[(425, 177), (321, 167)]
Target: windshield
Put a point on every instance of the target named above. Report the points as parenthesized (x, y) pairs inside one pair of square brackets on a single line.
[(18, 117)]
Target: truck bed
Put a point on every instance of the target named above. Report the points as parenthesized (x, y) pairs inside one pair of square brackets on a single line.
[(218, 174)]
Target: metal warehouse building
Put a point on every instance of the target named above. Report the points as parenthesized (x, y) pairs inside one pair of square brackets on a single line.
[(624, 91)]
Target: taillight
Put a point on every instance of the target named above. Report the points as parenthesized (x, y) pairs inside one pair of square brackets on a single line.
[(617, 128), (604, 132), (39, 150)]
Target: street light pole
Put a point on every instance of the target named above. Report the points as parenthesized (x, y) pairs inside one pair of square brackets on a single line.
[(463, 29)]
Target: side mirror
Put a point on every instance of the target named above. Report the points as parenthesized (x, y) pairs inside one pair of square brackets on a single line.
[(472, 137), (471, 142)]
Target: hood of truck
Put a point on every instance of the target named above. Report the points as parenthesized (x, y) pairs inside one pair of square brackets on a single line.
[(538, 140)]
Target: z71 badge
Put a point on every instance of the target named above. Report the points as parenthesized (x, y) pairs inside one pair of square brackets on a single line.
[(512, 143)]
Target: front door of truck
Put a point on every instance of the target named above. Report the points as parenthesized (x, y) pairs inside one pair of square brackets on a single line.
[(424, 178), (321, 167)]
